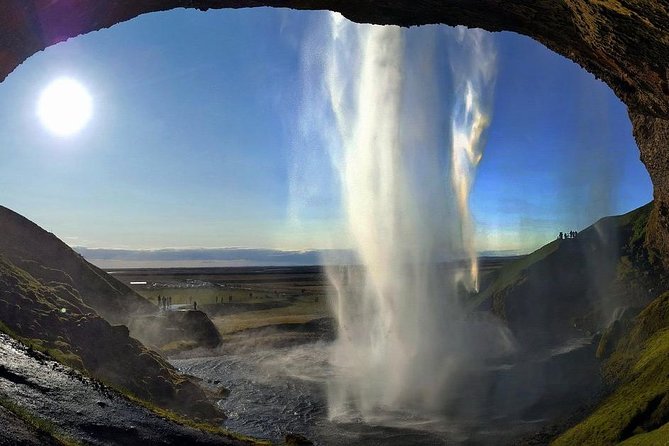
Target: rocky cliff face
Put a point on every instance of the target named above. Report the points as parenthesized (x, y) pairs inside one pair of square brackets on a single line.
[(623, 42)]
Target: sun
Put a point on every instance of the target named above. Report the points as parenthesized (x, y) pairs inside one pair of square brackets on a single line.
[(65, 107)]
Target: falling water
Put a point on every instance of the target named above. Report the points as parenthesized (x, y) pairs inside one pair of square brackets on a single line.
[(410, 115), (473, 76)]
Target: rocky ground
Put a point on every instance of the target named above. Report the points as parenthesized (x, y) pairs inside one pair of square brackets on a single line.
[(16, 431), (72, 407)]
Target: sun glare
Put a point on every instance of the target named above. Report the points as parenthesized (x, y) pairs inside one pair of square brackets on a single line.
[(65, 107)]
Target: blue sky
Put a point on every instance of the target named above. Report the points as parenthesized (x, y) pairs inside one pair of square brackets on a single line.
[(191, 141)]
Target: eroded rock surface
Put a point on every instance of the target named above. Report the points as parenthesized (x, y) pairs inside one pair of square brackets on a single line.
[(81, 409)]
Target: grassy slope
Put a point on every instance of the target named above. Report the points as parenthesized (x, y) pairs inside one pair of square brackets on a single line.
[(637, 368), (52, 300), (570, 285), (511, 273), (54, 319), (637, 411), (51, 261)]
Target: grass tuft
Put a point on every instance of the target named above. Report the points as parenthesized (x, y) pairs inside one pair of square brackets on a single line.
[(40, 425), (188, 422)]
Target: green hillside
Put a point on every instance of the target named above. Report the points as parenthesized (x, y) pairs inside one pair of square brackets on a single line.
[(49, 260), (575, 287), (55, 301), (605, 281), (637, 411)]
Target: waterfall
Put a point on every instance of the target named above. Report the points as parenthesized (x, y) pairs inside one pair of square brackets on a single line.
[(404, 114)]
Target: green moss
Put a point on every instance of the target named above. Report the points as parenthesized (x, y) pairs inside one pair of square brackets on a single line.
[(184, 421), (8, 331), (639, 407), (67, 358), (656, 437), (609, 340), (41, 425), (59, 351), (511, 273)]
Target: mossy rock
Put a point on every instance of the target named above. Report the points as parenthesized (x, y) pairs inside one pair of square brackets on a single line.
[(637, 412), (33, 313)]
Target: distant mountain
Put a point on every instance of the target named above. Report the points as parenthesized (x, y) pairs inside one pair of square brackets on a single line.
[(211, 257), (48, 259)]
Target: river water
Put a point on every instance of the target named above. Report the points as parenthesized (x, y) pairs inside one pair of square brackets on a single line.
[(275, 391)]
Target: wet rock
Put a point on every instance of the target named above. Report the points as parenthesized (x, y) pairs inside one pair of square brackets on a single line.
[(83, 340), (83, 409)]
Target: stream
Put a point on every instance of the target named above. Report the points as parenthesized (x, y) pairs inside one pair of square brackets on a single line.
[(276, 391)]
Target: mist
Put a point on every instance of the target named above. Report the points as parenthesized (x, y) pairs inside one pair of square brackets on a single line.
[(404, 147)]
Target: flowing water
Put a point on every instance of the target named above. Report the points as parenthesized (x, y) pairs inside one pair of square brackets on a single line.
[(284, 390), (408, 132)]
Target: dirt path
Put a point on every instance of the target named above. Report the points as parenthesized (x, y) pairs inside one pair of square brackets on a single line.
[(79, 408)]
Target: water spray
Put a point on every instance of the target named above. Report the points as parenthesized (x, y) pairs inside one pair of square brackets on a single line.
[(403, 334)]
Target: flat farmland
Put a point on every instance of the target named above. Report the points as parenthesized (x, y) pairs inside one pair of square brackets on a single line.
[(238, 299)]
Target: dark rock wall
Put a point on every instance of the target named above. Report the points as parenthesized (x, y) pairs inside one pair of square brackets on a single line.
[(623, 42)]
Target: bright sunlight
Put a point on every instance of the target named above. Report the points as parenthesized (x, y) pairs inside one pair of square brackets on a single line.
[(65, 107)]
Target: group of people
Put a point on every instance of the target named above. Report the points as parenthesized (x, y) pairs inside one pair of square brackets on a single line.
[(567, 235), (164, 302)]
